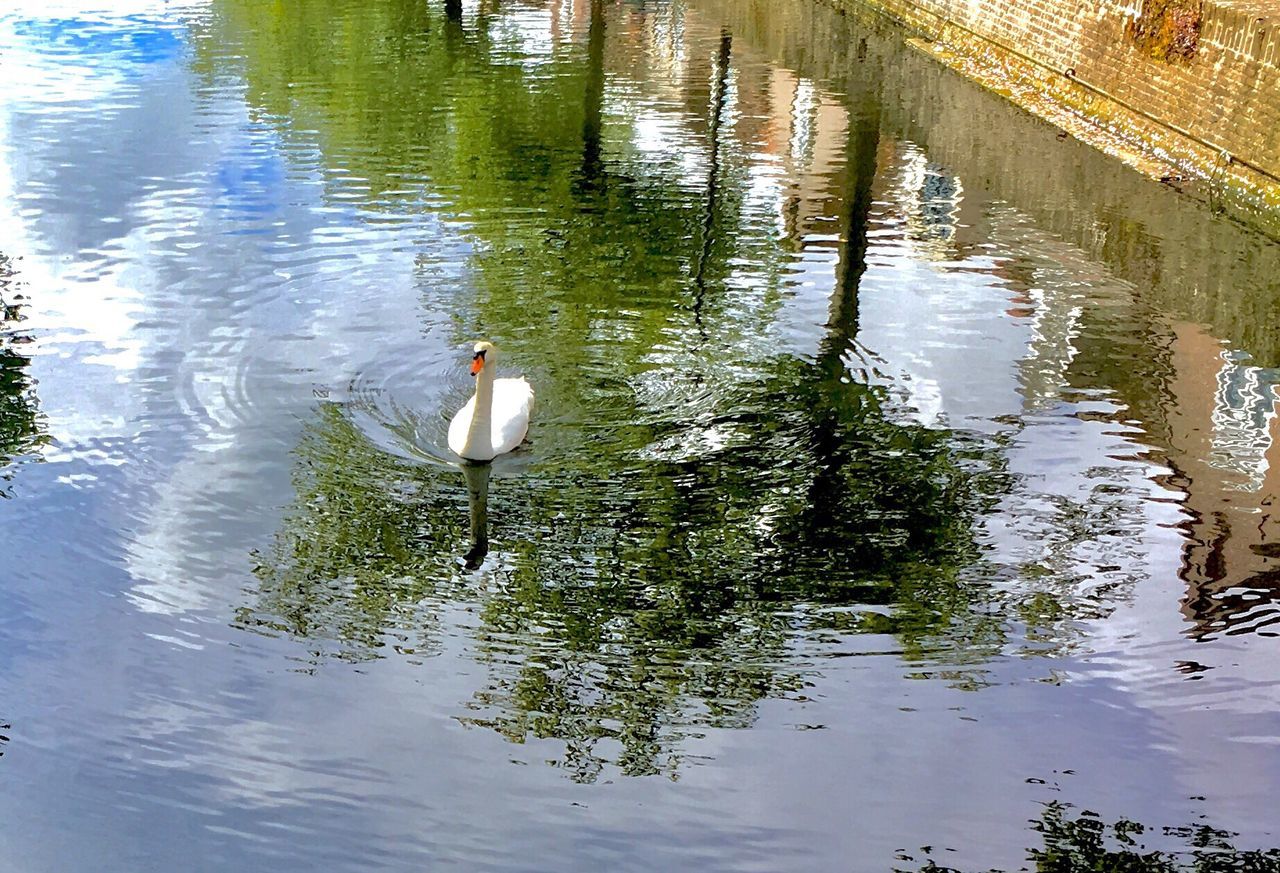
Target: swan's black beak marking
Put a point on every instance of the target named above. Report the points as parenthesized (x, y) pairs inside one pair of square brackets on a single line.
[(477, 362)]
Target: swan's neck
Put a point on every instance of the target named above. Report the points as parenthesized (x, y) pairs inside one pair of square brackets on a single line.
[(480, 435)]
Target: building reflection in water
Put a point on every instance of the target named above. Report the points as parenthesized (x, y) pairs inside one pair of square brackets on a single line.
[(1204, 420)]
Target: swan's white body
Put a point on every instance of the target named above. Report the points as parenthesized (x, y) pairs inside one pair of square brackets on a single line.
[(496, 418)]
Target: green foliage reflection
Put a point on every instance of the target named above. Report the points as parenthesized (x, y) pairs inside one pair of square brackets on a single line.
[(19, 420), (697, 502), (1084, 843), (639, 606)]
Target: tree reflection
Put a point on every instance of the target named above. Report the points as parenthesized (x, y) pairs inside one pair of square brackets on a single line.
[(636, 608), (699, 503), (369, 547), (19, 419), (591, 176), (717, 111), (1074, 842)]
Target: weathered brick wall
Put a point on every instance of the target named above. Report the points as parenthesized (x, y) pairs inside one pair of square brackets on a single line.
[(1228, 93)]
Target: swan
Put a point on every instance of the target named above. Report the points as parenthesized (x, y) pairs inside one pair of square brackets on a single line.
[(496, 418)]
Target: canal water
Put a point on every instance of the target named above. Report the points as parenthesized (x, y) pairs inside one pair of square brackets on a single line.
[(900, 491)]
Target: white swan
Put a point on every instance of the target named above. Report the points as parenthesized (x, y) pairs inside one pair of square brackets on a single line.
[(496, 418)]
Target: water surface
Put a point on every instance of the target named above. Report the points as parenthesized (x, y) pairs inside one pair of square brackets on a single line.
[(899, 490)]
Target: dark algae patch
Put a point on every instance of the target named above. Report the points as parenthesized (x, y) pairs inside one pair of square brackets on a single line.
[(1168, 30)]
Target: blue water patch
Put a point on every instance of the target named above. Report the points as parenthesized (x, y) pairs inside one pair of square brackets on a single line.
[(131, 41), (250, 178)]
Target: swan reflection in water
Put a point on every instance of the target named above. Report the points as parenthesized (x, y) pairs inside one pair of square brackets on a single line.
[(477, 476)]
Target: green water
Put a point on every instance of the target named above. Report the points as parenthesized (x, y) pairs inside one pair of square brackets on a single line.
[(898, 491)]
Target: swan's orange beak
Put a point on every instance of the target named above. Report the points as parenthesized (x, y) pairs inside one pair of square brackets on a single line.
[(477, 363)]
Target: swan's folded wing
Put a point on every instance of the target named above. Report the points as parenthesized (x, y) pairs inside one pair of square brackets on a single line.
[(459, 426), (512, 407)]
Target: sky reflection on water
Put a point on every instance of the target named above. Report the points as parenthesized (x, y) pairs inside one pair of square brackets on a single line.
[(892, 476)]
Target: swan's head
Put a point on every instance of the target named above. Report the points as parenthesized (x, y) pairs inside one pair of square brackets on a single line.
[(484, 353)]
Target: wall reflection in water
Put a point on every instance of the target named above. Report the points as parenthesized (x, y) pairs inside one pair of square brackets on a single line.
[(1178, 333)]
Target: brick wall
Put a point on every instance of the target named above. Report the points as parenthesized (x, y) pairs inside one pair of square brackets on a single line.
[(1228, 94)]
